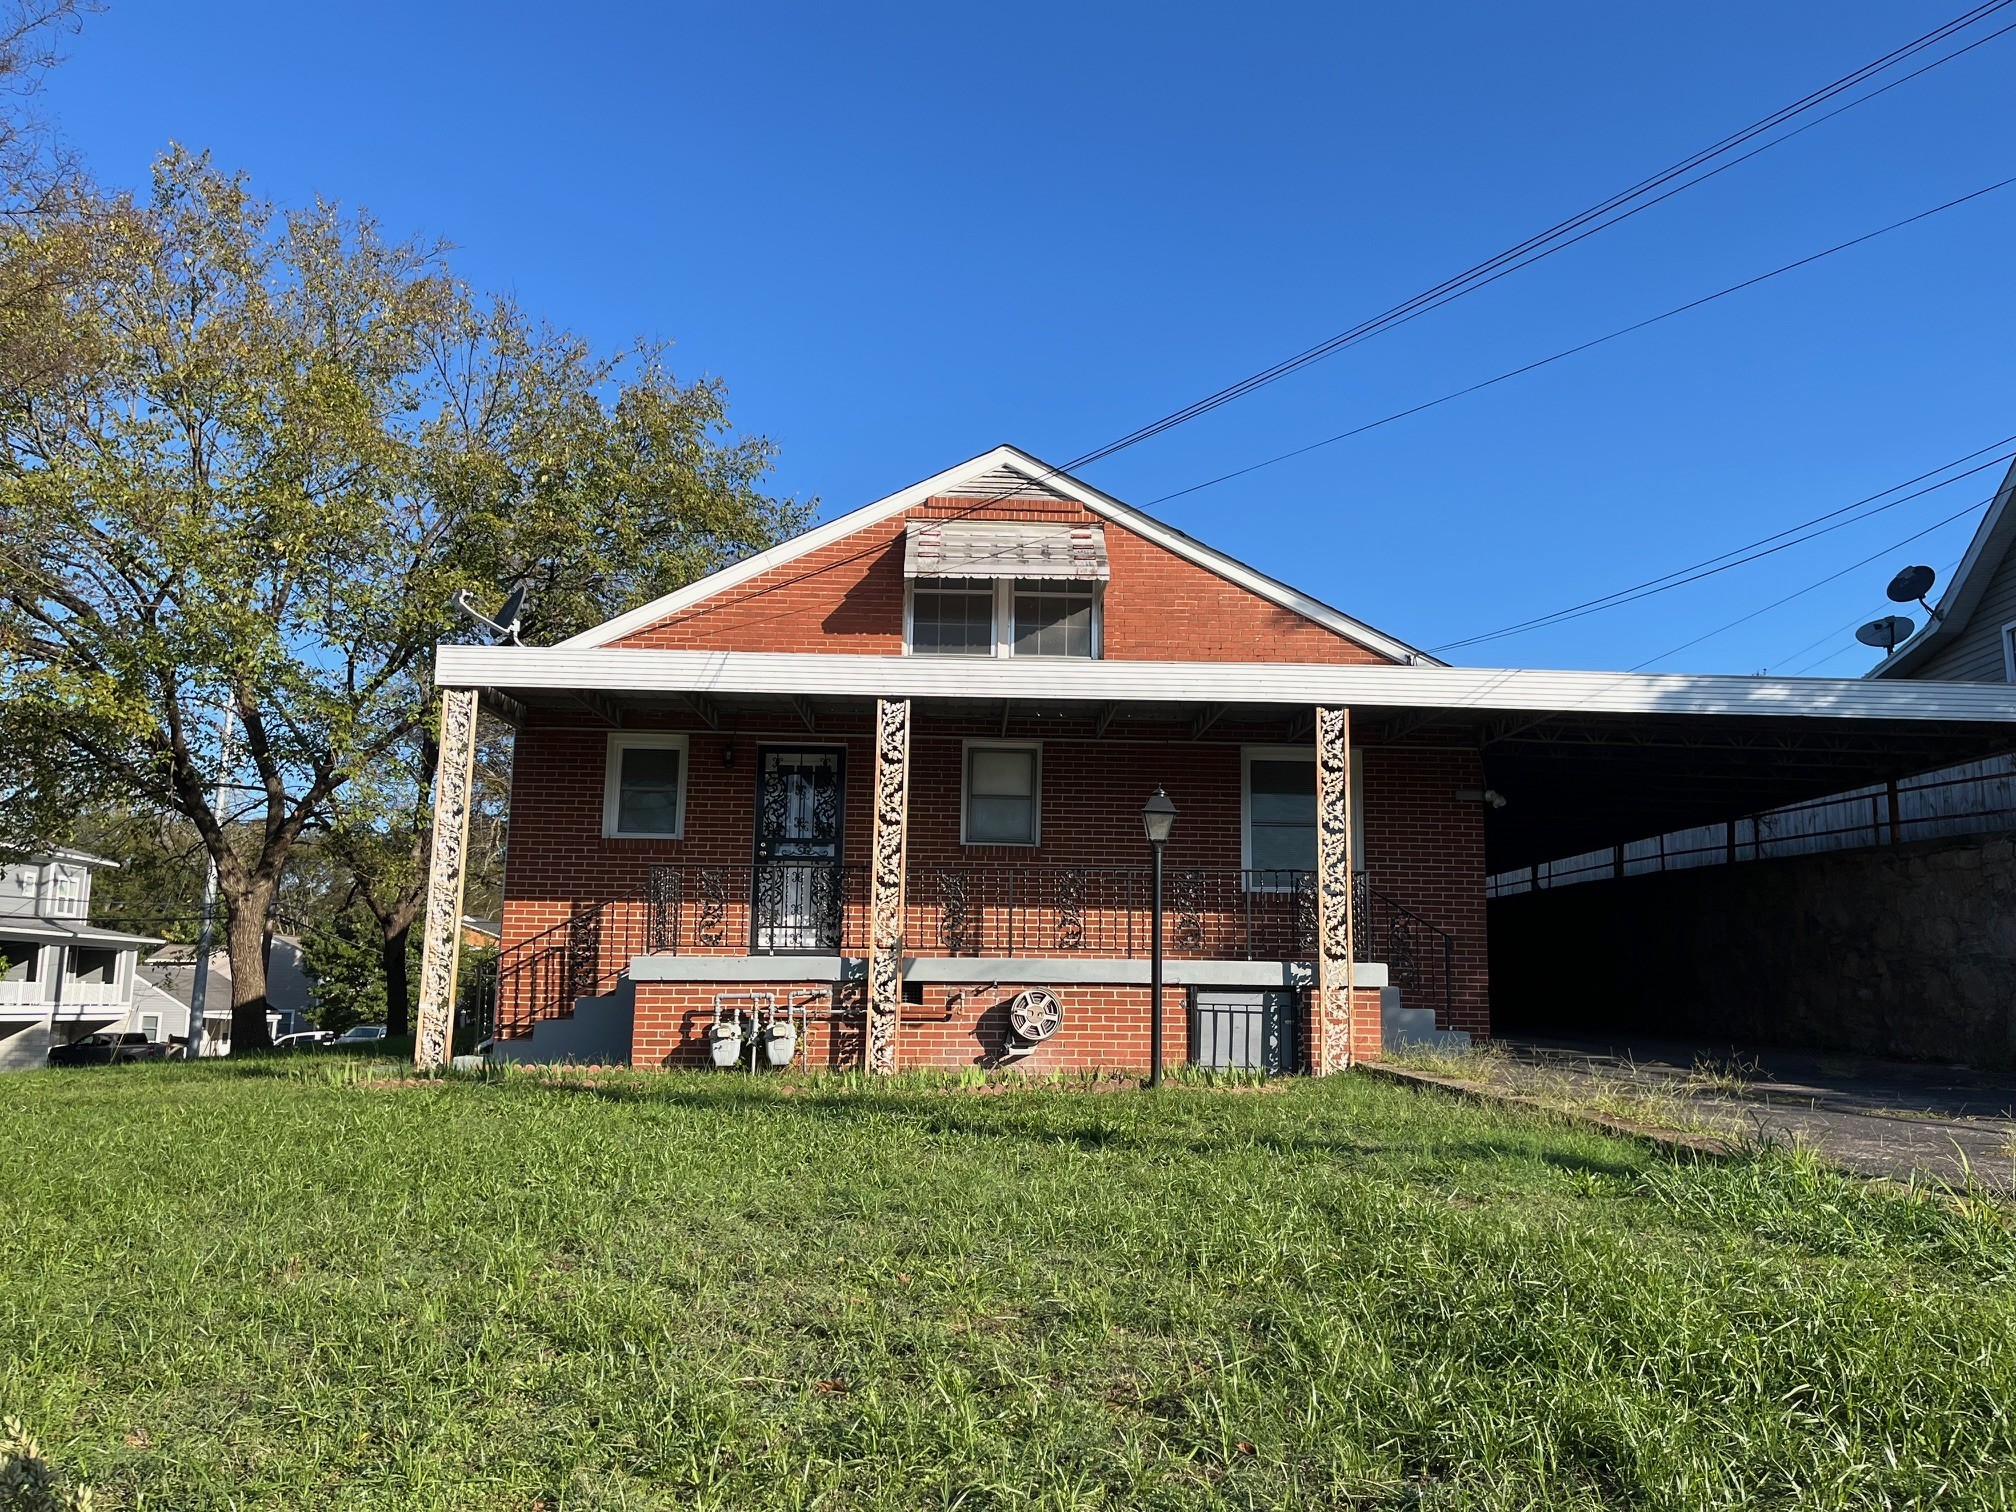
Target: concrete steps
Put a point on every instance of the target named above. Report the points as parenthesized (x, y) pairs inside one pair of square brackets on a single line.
[(597, 1033), (1401, 1028)]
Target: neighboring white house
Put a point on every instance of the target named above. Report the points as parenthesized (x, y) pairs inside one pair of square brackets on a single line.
[(61, 979)]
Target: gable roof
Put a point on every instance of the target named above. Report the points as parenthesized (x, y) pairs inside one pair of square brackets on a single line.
[(1007, 472), (1993, 538)]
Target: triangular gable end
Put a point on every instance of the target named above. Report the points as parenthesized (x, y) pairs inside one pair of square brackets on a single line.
[(1005, 473)]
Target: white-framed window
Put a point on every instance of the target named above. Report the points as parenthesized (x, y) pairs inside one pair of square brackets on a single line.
[(1001, 793), (150, 1025), (63, 891), (1057, 617), (1277, 813), (2009, 652), (644, 790)]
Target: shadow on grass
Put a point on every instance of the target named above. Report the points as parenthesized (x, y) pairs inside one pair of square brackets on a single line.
[(956, 1112)]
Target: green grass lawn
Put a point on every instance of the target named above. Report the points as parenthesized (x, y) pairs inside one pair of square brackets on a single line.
[(268, 1284)]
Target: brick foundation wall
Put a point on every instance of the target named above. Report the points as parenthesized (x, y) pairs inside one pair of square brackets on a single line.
[(1105, 1026)]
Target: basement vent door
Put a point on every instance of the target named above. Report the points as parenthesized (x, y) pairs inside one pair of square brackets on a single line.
[(1246, 1031)]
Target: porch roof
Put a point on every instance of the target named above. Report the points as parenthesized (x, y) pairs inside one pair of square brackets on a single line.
[(1583, 759)]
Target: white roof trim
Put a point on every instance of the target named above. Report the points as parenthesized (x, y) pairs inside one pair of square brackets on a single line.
[(1064, 486), (565, 669), (1992, 538)]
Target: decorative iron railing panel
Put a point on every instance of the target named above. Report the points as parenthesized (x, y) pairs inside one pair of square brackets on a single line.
[(787, 907), (769, 908)]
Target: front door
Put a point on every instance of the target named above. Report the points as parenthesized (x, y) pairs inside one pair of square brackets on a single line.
[(797, 897)]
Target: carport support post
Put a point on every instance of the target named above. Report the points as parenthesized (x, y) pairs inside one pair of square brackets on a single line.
[(1334, 892), (447, 866), (885, 884)]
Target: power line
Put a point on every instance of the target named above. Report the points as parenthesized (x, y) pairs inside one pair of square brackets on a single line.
[(1521, 371), (1739, 556), (1576, 228), (1819, 582), (1555, 238)]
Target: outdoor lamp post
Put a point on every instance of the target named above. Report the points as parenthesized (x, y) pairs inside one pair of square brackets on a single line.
[(1158, 817)]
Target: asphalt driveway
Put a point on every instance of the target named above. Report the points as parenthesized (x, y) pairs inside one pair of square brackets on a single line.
[(1878, 1117)]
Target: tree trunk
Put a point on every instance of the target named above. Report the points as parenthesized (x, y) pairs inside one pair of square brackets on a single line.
[(245, 945), (398, 1018)]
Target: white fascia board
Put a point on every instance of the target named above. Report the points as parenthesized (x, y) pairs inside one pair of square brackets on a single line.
[(560, 669), (1066, 486)]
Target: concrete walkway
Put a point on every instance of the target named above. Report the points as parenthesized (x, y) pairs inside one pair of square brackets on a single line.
[(1878, 1117)]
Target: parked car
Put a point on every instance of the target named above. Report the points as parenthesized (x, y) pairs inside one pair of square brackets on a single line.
[(303, 1039), (360, 1034), (104, 1049)]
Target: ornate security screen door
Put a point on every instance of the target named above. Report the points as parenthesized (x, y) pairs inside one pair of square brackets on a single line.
[(799, 809)]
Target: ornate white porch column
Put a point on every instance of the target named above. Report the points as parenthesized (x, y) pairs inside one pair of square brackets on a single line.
[(447, 866), (885, 884), (1331, 1034)]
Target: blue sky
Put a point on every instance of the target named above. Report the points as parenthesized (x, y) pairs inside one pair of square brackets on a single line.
[(903, 235)]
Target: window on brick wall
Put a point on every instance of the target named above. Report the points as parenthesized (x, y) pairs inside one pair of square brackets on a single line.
[(1003, 617), (1001, 795), (1277, 814), (1056, 618), (952, 617), (644, 792)]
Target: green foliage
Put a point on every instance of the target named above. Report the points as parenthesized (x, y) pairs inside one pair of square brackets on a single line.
[(345, 960), (717, 1291), (277, 445), (27, 1483)]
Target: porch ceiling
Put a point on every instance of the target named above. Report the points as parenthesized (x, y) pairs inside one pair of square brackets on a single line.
[(1583, 759)]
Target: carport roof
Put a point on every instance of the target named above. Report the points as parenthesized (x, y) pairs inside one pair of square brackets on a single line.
[(1583, 759)]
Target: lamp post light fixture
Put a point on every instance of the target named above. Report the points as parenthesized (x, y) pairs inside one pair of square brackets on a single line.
[(1158, 817)]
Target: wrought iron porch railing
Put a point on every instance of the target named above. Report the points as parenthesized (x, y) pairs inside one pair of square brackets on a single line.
[(771, 908), (1209, 913)]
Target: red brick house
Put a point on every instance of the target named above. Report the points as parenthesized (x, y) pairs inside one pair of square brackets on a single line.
[(882, 785)]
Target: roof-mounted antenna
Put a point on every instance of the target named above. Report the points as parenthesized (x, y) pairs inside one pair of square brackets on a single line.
[(1888, 633), (1911, 585), (505, 624)]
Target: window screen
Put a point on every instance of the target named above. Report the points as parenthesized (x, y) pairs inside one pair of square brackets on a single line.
[(647, 800), (952, 617), (1001, 795), (1281, 814), (150, 1025), (1054, 618)]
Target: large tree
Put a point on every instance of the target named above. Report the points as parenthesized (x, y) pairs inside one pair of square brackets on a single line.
[(275, 448)]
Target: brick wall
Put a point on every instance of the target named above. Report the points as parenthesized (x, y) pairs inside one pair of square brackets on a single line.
[(1426, 850), (1422, 847), (1105, 1027), (847, 596)]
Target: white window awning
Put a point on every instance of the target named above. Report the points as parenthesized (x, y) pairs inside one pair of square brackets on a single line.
[(1015, 549)]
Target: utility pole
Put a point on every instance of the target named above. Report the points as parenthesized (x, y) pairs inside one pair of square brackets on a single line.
[(199, 989)]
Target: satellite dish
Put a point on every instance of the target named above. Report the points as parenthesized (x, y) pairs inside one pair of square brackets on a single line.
[(505, 625), (514, 609), (1911, 585), (1886, 634)]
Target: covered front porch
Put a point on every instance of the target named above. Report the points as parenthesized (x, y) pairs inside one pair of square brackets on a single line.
[(1421, 781)]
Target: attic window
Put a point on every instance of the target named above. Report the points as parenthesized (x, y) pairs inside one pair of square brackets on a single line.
[(953, 617)]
